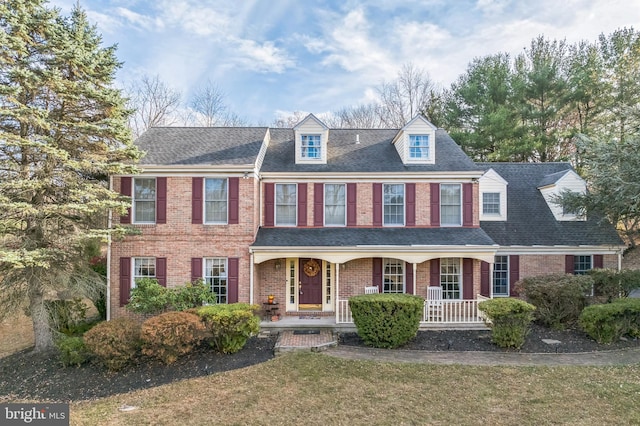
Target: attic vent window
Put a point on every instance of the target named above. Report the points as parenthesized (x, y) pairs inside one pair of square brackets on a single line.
[(418, 147), (311, 147)]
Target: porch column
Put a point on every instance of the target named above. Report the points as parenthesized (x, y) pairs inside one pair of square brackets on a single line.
[(251, 266), (491, 280), (415, 274), (336, 297)]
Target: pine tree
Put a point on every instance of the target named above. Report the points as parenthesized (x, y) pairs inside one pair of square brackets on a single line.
[(63, 130)]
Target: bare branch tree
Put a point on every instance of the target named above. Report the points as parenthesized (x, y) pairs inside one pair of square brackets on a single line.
[(290, 120), (367, 116), (207, 104), (155, 104)]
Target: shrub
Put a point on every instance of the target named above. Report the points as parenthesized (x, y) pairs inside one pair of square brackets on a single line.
[(72, 351), (509, 320), (612, 284), (559, 299), (230, 325), (191, 295), (148, 297), (606, 323), (65, 315), (171, 335), (386, 320), (114, 343)]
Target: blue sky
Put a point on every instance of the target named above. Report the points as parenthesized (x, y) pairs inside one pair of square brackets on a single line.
[(277, 56)]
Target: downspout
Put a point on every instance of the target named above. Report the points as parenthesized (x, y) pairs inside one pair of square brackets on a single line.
[(491, 281), (337, 296), (415, 273), (251, 277), (109, 224), (620, 252)]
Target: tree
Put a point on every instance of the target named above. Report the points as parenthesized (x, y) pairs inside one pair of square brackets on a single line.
[(366, 116), (154, 103), (63, 127), (208, 108)]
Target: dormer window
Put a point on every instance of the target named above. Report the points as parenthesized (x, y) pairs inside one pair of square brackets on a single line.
[(311, 148), (418, 147), (491, 203)]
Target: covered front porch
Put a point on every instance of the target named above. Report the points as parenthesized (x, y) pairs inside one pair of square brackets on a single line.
[(311, 284)]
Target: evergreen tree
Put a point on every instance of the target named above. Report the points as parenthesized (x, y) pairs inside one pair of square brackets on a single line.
[(63, 129)]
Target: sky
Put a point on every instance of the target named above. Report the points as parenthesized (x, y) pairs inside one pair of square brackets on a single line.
[(273, 57)]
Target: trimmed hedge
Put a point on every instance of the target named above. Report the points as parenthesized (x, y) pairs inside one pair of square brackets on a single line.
[(149, 297), (611, 284), (608, 322), (72, 351), (559, 298), (386, 320), (114, 343), (230, 325), (171, 335), (509, 320)]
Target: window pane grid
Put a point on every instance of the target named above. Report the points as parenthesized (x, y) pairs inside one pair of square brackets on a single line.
[(450, 278), (334, 204), (491, 203), (144, 200), (286, 204), (501, 276), (215, 276), (419, 146), (581, 264), (311, 146), (216, 199), (450, 204), (143, 267), (393, 276), (393, 204)]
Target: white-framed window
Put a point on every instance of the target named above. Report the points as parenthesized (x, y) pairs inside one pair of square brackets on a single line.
[(393, 204), (215, 276), (582, 264), (418, 147), (144, 200), (143, 267), (501, 276), (286, 204), (450, 204), (491, 203), (335, 202), (450, 279), (392, 276), (311, 148), (216, 200)]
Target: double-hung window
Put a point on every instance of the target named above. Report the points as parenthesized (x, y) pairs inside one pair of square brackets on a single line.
[(501, 276), (215, 276), (144, 200), (143, 267), (582, 264), (393, 276), (491, 203), (450, 279), (393, 200), (335, 210), (310, 145), (215, 200), (450, 204), (286, 204), (418, 147)]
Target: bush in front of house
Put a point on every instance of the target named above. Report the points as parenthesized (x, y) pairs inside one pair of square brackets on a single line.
[(149, 297), (509, 320), (559, 298), (72, 350), (114, 343), (386, 320), (611, 284), (230, 325), (171, 335), (66, 315), (608, 322)]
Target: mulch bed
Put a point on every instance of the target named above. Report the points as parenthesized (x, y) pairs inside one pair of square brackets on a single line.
[(572, 341), (40, 377)]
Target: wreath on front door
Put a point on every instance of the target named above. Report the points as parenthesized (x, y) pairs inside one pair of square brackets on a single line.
[(311, 268)]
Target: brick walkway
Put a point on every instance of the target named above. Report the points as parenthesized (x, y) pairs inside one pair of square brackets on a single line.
[(316, 340)]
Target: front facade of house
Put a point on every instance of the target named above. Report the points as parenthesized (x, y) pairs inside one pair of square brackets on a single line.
[(314, 215)]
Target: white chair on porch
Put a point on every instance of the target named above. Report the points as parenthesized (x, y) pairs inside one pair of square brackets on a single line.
[(373, 289), (434, 303)]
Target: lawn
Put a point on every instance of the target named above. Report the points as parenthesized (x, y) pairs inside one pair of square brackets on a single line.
[(314, 388)]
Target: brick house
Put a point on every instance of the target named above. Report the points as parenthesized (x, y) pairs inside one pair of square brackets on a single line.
[(314, 215)]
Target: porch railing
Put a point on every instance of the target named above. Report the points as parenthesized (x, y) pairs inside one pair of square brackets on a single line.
[(450, 312)]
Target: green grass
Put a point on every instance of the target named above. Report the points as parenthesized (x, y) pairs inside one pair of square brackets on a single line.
[(311, 388)]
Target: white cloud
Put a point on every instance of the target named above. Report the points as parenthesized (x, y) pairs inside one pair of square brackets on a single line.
[(264, 57), (139, 21)]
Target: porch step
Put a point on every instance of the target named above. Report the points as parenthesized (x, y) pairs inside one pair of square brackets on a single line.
[(305, 340)]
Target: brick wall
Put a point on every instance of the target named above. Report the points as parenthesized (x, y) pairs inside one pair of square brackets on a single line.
[(533, 265)]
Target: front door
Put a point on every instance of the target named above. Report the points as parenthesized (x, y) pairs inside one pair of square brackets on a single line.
[(310, 282)]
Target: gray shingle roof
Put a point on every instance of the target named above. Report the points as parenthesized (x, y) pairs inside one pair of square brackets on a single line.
[(201, 145), (351, 237), (529, 219), (552, 178), (374, 154)]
